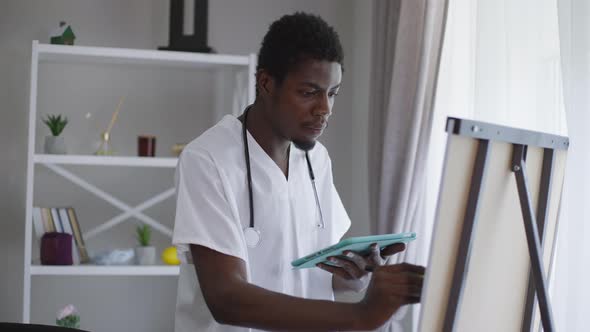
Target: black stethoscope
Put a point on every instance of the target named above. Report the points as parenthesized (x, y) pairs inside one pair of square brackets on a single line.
[(251, 234)]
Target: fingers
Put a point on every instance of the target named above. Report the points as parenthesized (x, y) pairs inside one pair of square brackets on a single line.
[(404, 267), (365, 263), (335, 270), (403, 282), (360, 261), (393, 286), (384, 279), (407, 289), (411, 300), (393, 249), (351, 268), (375, 255), (355, 268)]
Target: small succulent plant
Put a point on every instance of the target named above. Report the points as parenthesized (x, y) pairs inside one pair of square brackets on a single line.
[(144, 235), (55, 123)]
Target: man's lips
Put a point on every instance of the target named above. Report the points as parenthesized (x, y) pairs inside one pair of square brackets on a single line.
[(315, 125), (315, 129)]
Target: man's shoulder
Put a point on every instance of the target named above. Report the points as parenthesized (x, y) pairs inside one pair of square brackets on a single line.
[(218, 141), (320, 158), (320, 150)]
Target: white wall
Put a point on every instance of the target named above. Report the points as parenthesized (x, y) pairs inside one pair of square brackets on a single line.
[(145, 303)]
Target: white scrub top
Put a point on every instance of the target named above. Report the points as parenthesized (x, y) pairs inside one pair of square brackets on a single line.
[(212, 210)]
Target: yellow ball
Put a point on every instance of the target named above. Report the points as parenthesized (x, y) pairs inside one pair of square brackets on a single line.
[(170, 256)]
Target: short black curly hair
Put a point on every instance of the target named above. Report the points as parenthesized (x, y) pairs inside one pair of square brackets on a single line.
[(294, 38)]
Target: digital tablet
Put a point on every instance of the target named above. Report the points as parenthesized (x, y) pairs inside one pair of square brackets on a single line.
[(359, 245)]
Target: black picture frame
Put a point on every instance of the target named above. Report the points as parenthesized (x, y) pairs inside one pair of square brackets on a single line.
[(197, 42)]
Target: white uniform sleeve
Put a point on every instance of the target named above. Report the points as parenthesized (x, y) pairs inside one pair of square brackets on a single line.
[(203, 213)]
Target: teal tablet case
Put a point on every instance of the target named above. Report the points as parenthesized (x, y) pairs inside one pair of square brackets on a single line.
[(359, 245)]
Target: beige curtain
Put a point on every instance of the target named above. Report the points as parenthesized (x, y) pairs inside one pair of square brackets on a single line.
[(406, 52), (407, 43)]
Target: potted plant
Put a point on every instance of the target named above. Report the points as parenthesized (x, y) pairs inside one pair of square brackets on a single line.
[(55, 144), (68, 317), (145, 254)]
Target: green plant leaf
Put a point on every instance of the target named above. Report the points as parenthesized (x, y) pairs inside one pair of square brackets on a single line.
[(144, 234), (55, 123)]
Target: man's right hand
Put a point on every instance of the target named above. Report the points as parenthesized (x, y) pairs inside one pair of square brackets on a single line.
[(391, 287)]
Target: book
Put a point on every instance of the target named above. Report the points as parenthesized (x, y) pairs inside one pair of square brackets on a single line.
[(57, 224), (47, 220), (77, 233), (67, 228), (38, 223)]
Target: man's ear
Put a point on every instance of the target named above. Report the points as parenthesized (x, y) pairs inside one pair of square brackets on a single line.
[(265, 82)]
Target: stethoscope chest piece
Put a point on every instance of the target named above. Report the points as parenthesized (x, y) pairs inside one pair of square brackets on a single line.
[(252, 236)]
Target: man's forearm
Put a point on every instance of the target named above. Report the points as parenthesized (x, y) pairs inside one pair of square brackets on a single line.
[(256, 307)]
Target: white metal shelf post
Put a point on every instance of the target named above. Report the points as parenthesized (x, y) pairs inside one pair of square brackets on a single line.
[(43, 53), (252, 61), (30, 180)]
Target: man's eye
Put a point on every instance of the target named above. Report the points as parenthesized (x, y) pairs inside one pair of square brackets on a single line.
[(308, 93), (333, 94)]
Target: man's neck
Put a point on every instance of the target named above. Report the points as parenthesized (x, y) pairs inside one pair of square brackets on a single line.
[(260, 127)]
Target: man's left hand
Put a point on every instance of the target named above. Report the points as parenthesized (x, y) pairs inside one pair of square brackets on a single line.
[(355, 267)]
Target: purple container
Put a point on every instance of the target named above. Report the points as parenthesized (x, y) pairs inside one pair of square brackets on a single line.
[(56, 249)]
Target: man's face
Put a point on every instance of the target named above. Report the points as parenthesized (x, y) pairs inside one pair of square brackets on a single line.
[(302, 103)]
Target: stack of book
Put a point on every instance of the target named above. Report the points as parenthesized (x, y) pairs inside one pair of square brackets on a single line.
[(62, 220)]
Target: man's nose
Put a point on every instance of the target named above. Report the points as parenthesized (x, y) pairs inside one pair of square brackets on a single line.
[(323, 107)]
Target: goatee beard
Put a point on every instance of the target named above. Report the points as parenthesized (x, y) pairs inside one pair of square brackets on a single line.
[(304, 145)]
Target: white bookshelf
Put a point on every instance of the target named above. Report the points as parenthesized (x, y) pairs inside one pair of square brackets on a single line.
[(121, 57), (98, 270), (109, 55), (105, 160)]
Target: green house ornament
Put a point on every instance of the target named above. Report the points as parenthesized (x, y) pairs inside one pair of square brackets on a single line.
[(63, 35)]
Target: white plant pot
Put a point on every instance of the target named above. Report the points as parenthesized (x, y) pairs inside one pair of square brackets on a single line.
[(145, 255), (55, 145)]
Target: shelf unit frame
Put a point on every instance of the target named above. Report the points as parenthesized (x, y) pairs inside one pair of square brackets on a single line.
[(84, 54)]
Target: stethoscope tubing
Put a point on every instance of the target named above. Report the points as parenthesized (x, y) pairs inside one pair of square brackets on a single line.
[(248, 169), (254, 232)]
